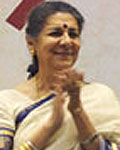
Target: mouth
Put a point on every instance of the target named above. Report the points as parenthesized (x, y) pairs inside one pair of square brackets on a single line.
[(63, 52), (63, 58)]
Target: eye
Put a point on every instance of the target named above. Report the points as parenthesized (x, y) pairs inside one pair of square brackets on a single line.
[(56, 33), (73, 34)]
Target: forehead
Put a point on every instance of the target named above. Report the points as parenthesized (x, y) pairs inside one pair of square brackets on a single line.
[(60, 19)]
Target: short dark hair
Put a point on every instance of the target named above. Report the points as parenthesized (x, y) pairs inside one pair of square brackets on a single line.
[(38, 17)]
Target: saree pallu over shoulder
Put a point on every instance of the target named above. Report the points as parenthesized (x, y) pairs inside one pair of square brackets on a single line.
[(6, 138), (23, 114), (7, 127), (99, 102), (36, 116)]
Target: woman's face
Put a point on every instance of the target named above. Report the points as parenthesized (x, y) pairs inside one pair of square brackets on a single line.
[(58, 43)]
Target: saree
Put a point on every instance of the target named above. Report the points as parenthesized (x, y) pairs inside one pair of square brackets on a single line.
[(20, 117)]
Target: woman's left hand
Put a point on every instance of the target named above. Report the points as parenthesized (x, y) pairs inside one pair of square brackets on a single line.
[(70, 81), (73, 87)]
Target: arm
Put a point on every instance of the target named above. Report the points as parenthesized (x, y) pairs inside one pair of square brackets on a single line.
[(42, 135), (6, 123), (67, 80), (6, 139), (107, 116), (84, 126)]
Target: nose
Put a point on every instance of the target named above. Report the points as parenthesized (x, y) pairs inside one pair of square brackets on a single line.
[(65, 40)]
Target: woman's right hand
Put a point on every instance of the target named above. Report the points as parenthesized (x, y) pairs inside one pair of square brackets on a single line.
[(42, 135), (58, 83), (58, 109)]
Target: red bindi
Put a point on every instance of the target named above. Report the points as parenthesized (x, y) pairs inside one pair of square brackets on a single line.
[(65, 26)]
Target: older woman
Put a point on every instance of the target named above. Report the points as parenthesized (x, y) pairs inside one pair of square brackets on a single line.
[(55, 109)]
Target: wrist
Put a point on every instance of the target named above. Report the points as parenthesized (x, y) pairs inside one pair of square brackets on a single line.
[(55, 124), (75, 104), (94, 142), (77, 110)]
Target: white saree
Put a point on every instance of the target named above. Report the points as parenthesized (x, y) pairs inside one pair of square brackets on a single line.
[(98, 100)]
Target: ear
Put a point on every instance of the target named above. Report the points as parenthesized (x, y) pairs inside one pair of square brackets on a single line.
[(30, 42)]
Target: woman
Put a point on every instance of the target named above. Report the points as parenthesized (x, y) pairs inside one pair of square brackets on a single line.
[(55, 109)]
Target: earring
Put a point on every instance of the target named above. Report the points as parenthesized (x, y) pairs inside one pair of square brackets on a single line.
[(32, 52)]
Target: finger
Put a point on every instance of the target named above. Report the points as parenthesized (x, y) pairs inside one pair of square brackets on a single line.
[(57, 87), (63, 71), (59, 77), (74, 75), (61, 80), (80, 75), (59, 97)]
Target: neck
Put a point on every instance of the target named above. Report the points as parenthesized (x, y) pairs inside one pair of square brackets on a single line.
[(44, 79)]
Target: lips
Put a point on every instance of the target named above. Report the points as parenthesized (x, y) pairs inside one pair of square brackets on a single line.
[(65, 52)]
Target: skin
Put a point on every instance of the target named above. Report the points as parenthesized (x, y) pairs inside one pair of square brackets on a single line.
[(57, 47), (60, 34)]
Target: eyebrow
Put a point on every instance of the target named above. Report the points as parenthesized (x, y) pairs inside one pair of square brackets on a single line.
[(56, 29), (73, 29)]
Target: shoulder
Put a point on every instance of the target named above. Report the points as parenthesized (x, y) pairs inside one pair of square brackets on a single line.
[(99, 94), (6, 108), (7, 97), (99, 88), (6, 94), (11, 98), (103, 108), (98, 85), (27, 89)]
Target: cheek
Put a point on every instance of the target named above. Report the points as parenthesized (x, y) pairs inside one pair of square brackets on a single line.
[(49, 44), (76, 45), (44, 51)]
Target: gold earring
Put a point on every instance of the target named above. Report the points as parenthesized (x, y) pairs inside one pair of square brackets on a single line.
[(32, 52)]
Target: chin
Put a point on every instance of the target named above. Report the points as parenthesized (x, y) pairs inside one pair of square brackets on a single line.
[(62, 66)]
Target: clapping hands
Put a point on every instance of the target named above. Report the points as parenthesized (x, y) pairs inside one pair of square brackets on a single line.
[(68, 81)]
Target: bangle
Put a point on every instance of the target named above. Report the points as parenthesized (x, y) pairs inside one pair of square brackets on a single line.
[(77, 111), (28, 146), (31, 145), (114, 146), (79, 83), (89, 140), (102, 144), (25, 146)]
